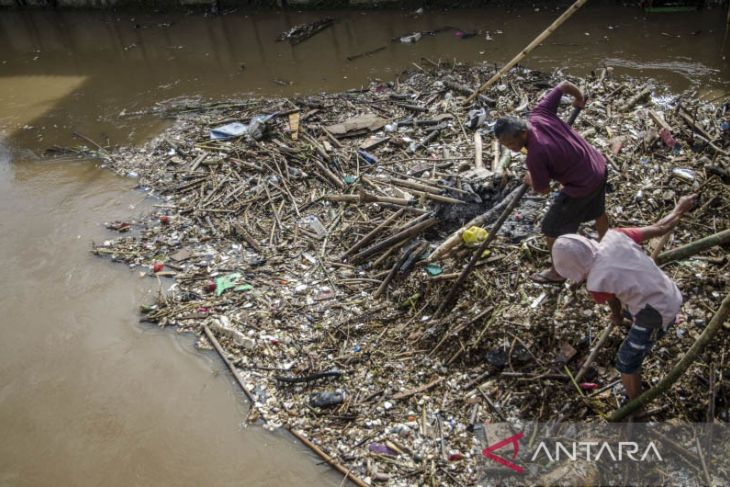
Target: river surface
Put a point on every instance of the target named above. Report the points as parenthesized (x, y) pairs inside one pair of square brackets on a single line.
[(88, 395)]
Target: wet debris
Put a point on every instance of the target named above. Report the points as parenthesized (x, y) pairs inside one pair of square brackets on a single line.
[(317, 251), (302, 32)]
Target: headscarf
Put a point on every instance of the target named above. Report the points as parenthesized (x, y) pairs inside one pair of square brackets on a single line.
[(573, 256)]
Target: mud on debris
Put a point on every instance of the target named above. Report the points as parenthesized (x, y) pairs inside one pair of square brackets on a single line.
[(302, 245)]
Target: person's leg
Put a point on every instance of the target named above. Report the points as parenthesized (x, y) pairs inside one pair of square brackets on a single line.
[(645, 330), (602, 225), (560, 219), (632, 384)]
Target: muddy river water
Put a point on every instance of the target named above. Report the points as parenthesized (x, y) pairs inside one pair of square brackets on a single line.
[(88, 395)]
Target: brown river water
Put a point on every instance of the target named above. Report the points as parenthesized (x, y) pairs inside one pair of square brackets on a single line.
[(88, 395)]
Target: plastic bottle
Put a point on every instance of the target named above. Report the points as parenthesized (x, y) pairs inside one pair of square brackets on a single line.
[(327, 399)]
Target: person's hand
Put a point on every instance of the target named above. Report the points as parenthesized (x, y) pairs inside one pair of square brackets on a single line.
[(620, 321), (527, 179), (579, 102), (685, 204)]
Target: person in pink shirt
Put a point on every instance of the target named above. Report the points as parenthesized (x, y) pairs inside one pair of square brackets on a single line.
[(556, 151), (617, 271)]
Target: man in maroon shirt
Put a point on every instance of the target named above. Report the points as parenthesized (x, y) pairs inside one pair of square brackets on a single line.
[(556, 151)]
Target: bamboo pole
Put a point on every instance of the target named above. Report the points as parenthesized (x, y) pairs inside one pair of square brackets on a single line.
[(367, 238), (340, 468), (526, 51), (592, 356), (695, 247), (407, 233), (478, 163), (692, 354)]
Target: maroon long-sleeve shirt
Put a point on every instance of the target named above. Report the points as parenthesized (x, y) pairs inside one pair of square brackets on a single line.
[(556, 151)]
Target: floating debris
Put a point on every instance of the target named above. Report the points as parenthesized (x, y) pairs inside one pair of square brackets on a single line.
[(318, 256)]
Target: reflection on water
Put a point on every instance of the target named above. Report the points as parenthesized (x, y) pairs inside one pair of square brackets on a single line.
[(87, 395), (130, 61)]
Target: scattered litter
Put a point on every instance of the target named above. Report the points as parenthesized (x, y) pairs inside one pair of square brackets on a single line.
[(302, 254)]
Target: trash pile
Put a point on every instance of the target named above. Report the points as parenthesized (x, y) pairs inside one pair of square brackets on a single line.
[(315, 238)]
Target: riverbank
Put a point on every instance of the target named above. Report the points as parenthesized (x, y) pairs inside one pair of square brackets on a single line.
[(301, 245)]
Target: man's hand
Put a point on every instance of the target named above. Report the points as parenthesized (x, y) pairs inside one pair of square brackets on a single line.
[(579, 102), (569, 88), (685, 204), (527, 179)]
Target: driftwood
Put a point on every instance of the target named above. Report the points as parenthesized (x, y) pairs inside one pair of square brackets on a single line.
[(404, 234), (373, 233), (642, 95), (592, 356), (695, 247), (527, 50), (692, 354)]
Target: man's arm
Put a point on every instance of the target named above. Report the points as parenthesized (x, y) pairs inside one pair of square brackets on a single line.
[(666, 224), (569, 88), (617, 316), (528, 181)]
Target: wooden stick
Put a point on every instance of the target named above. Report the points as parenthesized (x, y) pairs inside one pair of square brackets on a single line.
[(592, 356), (692, 354), (366, 197), (478, 163), (660, 245), (214, 341), (695, 247), (495, 149), (526, 51), (417, 390), (339, 467), (404, 234), (367, 238)]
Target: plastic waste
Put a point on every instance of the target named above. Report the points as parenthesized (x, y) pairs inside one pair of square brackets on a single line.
[(255, 129), (682, 173), (409, 39), (326, 399), (474, 236), (315, 225), (477, 118), (229, 281), (367, 157), (382, 449), (433, 269)]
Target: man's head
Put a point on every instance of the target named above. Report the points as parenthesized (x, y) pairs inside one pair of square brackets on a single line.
[(511, 133)]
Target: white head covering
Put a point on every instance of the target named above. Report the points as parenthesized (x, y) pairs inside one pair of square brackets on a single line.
[(573, 256)]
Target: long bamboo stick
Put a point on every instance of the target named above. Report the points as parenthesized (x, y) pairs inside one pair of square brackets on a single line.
[(526, 51), (695, 247), (398, 237), (367, 238)]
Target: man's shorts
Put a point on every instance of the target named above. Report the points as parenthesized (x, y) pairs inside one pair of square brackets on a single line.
[(567, 213), (645, 331)]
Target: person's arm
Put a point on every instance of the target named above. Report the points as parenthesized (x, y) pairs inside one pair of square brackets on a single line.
[(569, 88), (666, 224), (617, 315), (537, 176), (528, 181)]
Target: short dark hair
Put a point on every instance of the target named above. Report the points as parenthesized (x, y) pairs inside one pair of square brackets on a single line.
[(509, 127)]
